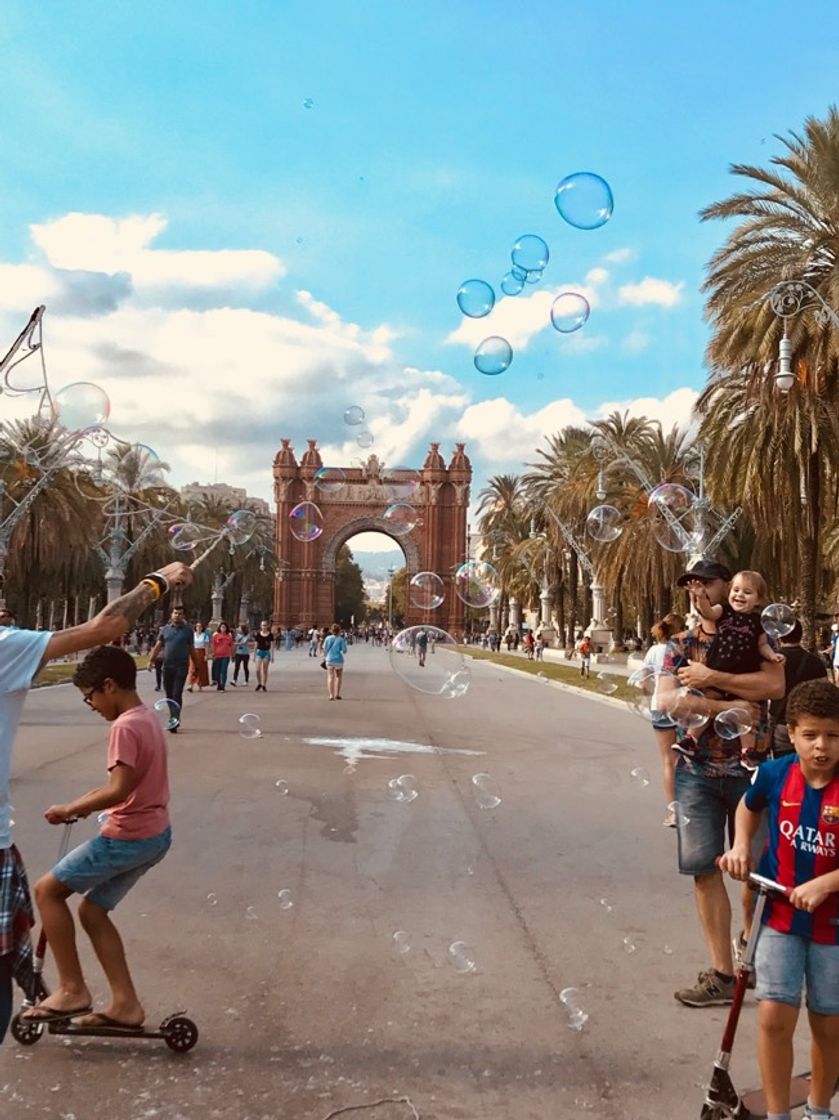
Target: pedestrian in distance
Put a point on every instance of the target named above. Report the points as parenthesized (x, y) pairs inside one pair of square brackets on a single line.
[(334, 651), (422, 648), (586, 649), (799, 938), (134, 836), (176, 641), (710, 779), (198, 674), (222, 642), (663, 726), (264, 654), (241, 655), (23, 653)]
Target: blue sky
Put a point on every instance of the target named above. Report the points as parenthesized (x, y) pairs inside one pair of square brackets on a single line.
[(234, 267)]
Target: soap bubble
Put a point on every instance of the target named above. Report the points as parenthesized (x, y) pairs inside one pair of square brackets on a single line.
[(462, 957), (682, 709), (241, 526), (512, 285), (403, 788), (628, 945), (732, 723), (285, 898), (249, 726), (476, 584), (308, 103), (251, 914), (668, 950), (669, 506), (569, 311), (354, 415), (426, 591), (605, 523), (102, 817), (530, 253), (577, 1018), (306, 522), (400, 519), (365, 439), (607, 683), (402, 483), (640, 776), (493, 356), (169, 712), (185, 536), (533, 277), (445, 671), (675, 807), (654, 691), (606, 904), (487, 791), (778, 620), (81, 406), (584, 200), (281, 785), (402, 941), (330, 480), (475, 298), (212, 899)]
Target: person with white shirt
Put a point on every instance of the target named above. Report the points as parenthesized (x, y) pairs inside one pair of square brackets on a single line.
[(23, 653), (663, 727)]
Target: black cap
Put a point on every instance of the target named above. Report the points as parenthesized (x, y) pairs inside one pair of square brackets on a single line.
[(704, 569)]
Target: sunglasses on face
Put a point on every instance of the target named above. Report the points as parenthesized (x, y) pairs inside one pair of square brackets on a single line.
[(87, 695)]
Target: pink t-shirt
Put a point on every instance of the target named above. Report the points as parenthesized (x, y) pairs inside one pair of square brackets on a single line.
[(137, 740)]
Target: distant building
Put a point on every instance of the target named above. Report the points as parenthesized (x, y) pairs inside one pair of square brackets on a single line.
[(234, 496)]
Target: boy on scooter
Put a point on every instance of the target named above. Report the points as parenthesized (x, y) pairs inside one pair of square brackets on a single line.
[(800, 935), (134, 836)]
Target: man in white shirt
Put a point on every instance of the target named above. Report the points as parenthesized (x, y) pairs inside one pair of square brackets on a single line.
[(22, 655)]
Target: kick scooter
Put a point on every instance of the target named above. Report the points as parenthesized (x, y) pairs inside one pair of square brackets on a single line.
[(177, 1031), (722, 1101)]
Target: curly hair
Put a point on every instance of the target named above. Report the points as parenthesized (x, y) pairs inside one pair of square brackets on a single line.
[(106, 663), (819, 699)]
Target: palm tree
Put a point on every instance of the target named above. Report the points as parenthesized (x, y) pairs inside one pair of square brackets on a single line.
[(778, 455)]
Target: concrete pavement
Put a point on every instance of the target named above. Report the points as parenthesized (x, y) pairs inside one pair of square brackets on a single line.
[(308, 1009)]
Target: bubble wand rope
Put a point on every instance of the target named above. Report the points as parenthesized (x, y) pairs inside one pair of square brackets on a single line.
[(177, 591)]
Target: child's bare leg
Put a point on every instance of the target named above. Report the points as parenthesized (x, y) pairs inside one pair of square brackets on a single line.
[(107, 944), (824, 1057), (72, 993), (774, 1051), (665, 740)]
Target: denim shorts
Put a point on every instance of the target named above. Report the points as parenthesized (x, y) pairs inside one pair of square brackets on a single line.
[(104, 870), (785, 962), (706, 825), (263, 654)]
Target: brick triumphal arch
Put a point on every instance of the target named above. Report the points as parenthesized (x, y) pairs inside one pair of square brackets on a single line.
[(304, 591)]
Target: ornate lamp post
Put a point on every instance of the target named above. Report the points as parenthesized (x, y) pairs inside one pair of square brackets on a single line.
[(791, 297)]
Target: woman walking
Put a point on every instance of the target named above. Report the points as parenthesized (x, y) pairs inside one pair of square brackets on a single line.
[(663, 726), (264, 654), (222, 651), (334, 648), (241, 655), (198, 673)]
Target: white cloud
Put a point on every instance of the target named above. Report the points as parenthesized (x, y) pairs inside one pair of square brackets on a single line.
[(597, 275), (500, 432), (620, 256), (675, 408), (651, 290), (635, 342)]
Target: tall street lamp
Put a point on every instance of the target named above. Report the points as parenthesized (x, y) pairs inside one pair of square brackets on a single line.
[(791, 297), (390, 574)]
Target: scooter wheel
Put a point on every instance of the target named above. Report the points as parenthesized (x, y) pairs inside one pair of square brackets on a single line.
[(180, 1034), (25, 1032)]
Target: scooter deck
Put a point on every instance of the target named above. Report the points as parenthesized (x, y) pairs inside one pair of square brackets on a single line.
[(755, 1101)]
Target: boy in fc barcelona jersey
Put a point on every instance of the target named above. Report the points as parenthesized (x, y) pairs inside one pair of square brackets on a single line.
[(799, 941)]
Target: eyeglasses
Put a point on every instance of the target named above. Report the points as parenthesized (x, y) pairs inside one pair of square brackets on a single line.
[(87, 695)]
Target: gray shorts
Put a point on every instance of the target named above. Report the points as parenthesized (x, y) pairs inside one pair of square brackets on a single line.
[(786, 962), (705, 827)]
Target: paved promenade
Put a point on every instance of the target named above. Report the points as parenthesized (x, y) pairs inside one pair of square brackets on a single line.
[(308, 1009)]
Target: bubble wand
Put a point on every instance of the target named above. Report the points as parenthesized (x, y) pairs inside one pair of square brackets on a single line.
[(177, 591)]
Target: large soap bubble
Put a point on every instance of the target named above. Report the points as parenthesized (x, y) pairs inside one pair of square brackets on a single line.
[(584, 200), (365, 439), (354, 415), (426, 591), (169, 712), (185, 536), (604, 524), (400, 519), (475, 298), (493, 356), (241, 526), (530, 253), (330, 480), (569, 312), (249, 726), (670, 506), (512, 284), (402, 483), (306, 522), (683, 709), (654, 692), (428, 660), (81, 406), (778, 620), (476, 584), (732, 723)]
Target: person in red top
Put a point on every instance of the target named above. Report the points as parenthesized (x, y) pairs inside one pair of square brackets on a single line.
[(222, 642), (134, 836)]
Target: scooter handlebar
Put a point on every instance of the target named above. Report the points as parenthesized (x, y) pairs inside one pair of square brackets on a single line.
[(761, 883)]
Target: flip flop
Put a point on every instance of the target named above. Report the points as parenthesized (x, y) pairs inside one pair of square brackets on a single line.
[(103, 1020), (50, 1015)]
